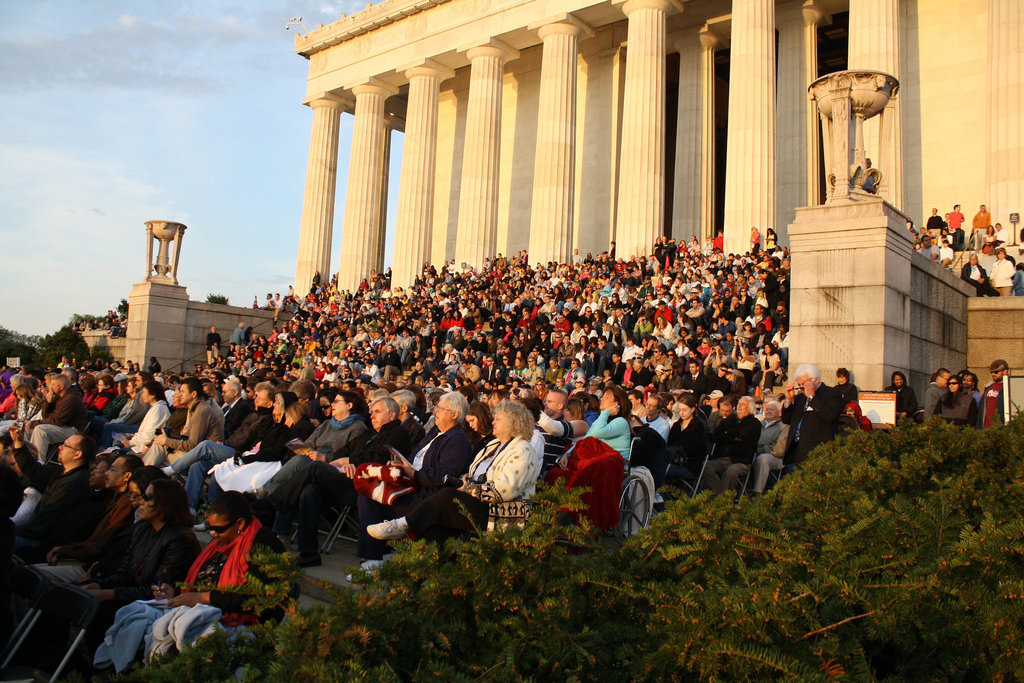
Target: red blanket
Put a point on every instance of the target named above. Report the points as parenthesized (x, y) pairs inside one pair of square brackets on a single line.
[(599, 467)]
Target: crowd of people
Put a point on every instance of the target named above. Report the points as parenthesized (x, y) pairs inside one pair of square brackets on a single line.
[(418, 410)]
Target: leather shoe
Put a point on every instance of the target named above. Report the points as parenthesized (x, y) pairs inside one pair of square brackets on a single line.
[(308, 560)]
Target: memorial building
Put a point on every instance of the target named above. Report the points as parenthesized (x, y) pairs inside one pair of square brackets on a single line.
[(556, 125)]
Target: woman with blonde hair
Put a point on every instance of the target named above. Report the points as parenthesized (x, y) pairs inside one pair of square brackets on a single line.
[(506, 470)]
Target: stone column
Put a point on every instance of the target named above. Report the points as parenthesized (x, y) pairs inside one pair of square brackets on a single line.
[(317, 226), (790, 107), (554, 177), (641, 211), (478, 197), (750, 158), (415, 220), (361, 236), (688, 191), (814, 15), (709, 42), (1005, 166), (875, 45)]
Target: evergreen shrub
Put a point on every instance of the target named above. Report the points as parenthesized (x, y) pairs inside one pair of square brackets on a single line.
[(895, 555)]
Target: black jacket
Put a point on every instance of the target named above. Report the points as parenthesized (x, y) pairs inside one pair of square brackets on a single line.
[(738, 438), (154, 557), (234, 417), (816, 424), (63, 492)]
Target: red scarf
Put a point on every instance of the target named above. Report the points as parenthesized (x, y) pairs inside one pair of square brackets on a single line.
[(233, 573)]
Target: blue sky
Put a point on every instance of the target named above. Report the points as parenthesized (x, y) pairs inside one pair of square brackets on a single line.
[(113, 113)]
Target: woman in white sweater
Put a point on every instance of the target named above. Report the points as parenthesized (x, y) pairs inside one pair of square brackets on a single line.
[(156, 417), (505, 470)]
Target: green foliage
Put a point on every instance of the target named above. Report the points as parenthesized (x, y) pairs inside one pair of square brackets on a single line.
[(15, 344), (896, 555), (64, 342), (217, 299), (122, 307)]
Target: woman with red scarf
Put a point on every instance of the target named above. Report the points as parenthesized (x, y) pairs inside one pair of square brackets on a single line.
[(224, 562)]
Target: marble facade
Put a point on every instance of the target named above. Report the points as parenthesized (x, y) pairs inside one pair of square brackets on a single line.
[(544, 124)]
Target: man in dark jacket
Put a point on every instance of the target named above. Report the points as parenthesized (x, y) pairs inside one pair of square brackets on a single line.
[(812, 415), (63, 414), (65, 487), (735, 441), (324, 485)]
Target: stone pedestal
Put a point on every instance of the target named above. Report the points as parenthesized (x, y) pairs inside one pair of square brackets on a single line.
[(851, 295), (156, 319)]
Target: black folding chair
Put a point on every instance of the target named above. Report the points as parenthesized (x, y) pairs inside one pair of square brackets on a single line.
[(64, 604), (30, 585)]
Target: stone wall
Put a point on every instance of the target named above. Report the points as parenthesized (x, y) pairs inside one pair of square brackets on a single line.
[(162, 322), (100, 339), (995, 329), (938, 321)]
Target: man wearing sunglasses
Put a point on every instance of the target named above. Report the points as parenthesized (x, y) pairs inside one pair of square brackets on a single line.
[(992, 397)]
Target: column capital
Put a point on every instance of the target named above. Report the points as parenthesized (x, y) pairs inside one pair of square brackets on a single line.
[(372, 86), (709, 39), (815, 14), (427, 67), (491, 47), (334, 100), (667, 6), (564, 23), (680, 40)]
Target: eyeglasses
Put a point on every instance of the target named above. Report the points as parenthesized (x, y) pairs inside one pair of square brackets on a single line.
[(148, 497), (69, 446), (441, 407), (953, 383), (219, 528)]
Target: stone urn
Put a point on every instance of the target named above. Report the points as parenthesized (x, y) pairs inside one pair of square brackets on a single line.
[(845, 99), (165, 268)]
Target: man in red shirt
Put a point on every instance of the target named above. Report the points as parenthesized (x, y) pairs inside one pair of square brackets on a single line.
[(992, 397)]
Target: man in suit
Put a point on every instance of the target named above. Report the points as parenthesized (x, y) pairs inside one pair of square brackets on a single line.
[(812, 415), (236, 406)]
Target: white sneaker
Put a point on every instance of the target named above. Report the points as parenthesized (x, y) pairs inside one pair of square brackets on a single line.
[(169, 471), (392, 528), (367, 566)]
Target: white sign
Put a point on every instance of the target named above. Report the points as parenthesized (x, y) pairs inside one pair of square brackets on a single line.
[(878, 406), (14, 361)]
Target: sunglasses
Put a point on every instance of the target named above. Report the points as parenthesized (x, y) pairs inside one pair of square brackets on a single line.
[(220, 528), (148, 497)]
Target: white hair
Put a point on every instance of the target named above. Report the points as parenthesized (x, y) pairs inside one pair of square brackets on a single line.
[(457, 403), (807, 370)]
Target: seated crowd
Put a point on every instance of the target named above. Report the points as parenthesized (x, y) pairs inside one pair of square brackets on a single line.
[(415, 411)]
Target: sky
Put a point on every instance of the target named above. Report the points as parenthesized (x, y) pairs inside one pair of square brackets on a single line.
[(115, 112)]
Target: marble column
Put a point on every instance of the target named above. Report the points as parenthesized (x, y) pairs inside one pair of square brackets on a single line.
[(361, 238), (478, 197), (1005, 164), (688, 190), (750, 157), (317, 226), (554, 177), (814, 15), (641, 211), (415, 220), (875, 45), (790, 118)]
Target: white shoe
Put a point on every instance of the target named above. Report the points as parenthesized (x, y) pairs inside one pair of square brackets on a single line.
[(201, 526), (392, 528), (368, 567), (169, 471)]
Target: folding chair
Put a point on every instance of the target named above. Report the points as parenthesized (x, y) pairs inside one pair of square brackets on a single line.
[(64, 603), (345, 516), (29, 584)]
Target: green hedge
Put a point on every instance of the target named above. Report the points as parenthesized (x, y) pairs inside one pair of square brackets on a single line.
[(895, 555)]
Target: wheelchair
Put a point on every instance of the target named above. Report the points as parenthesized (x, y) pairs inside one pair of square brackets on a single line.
[(636, 501)]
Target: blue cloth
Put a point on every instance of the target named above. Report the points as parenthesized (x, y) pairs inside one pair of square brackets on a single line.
[(125, 636)]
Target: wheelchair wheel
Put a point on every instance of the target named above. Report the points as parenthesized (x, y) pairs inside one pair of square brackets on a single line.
[(634, 508)]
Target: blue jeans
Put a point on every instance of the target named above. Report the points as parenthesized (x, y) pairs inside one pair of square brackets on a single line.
[(201, 460), (112, 428)]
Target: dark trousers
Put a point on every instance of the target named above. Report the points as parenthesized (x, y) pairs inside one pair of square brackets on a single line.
[(441, 516), (372, 512), (327, 488)]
